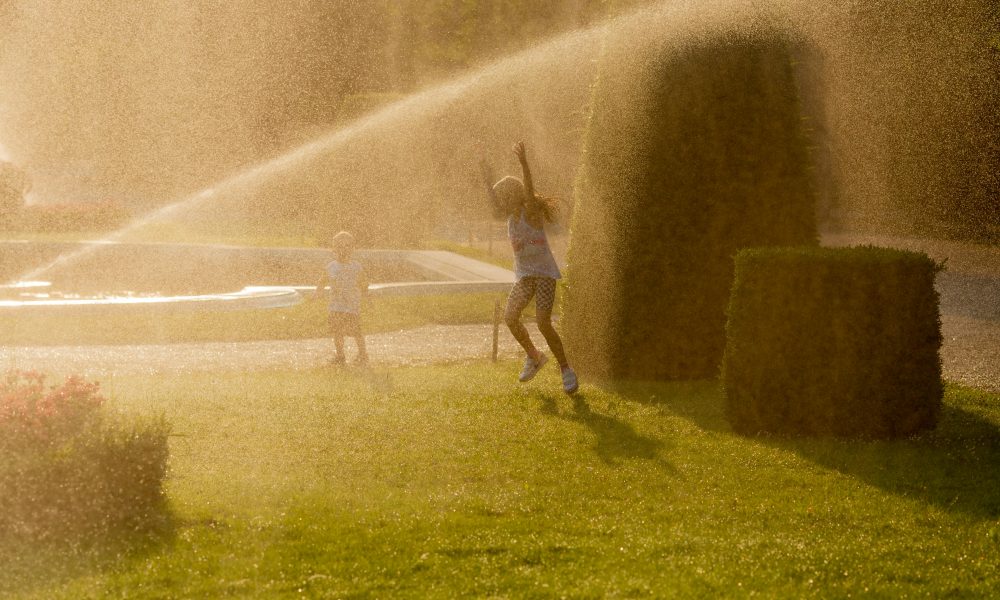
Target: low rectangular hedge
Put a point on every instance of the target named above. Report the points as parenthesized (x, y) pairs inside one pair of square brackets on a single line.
[(842, 342)]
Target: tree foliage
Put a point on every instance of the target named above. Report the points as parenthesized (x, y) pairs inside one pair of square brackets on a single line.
[(14, 184)]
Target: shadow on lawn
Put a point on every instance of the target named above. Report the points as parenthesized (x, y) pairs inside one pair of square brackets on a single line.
[(955, 467), (616, 439)]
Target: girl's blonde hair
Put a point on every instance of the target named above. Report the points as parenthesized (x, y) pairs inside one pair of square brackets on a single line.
[(509, 192)]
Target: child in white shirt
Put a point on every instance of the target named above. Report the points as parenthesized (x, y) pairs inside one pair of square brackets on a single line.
[(348, 283)]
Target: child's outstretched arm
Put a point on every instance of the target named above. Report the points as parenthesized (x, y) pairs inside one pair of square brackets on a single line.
[(320, 287), (363, 283), (522, 157)]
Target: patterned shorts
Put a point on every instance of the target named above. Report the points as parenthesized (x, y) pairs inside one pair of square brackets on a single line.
[(544, 290)]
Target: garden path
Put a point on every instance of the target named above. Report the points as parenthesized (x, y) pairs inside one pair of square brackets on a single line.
[(424, 345), (971, 352)]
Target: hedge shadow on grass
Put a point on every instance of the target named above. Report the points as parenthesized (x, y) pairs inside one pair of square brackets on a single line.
[(616, 440), (29, 567), (953, 467), (698, 401)]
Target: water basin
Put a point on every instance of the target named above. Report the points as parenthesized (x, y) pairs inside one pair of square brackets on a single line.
[(180, 277)]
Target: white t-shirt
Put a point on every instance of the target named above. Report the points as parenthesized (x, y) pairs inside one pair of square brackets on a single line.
[(345, 286)]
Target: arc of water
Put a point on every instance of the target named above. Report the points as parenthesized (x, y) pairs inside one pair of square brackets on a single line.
[(263, 169), (432, 97)]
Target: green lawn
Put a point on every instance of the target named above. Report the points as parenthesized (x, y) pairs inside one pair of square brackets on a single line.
[(499, 258), (304, 321), (455, 481)]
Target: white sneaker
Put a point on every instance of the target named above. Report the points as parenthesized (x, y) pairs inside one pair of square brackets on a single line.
[(570, 384), (531, 367)]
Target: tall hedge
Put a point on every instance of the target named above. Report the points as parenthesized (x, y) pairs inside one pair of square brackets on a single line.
[(838, 342), (689, 158)]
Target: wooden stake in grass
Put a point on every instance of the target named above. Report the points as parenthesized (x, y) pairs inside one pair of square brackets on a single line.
[(497, 310)]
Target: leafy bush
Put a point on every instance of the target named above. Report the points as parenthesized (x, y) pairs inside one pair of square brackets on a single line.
[(833, 342), (68, 467), (706, 155)]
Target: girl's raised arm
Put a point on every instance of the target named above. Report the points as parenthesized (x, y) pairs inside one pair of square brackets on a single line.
[(522, 157)]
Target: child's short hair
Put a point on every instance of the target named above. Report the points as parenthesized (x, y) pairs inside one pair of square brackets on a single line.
[(343, 240)]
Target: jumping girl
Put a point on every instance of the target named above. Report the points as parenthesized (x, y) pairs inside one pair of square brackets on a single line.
[(534, 265)]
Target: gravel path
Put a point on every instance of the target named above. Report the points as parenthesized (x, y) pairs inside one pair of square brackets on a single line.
[(424, 345), (971, 352)]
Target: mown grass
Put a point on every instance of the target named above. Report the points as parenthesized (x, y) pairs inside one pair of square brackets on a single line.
[(503, 258), (303, 321), (454, 481)]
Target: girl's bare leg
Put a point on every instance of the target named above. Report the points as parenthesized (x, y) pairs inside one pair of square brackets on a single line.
[(519, 297), (551, 337), (520, 334)]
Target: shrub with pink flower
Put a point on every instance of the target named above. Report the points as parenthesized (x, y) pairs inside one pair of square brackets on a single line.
[(32, 413), (68, 466)]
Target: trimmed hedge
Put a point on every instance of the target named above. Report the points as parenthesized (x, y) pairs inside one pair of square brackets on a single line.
[(703, 153), (824, 341)]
